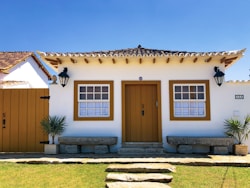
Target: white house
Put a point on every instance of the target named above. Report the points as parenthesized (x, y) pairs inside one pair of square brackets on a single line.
[(22, 70), (145, 95)]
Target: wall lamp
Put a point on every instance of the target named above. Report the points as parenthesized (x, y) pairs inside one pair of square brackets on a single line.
[(64, 77), (219, 76)]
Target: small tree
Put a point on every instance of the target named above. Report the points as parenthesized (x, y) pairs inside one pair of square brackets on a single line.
[(53, 125), (238, 130)]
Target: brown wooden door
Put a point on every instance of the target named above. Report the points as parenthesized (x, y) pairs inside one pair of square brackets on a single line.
[(21, 111), (141, 113)]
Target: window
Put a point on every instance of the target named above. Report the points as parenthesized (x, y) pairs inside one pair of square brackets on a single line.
[(189, 100), (93, 100)]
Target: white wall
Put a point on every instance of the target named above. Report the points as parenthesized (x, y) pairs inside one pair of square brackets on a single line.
[(222, 100), (29, 73)]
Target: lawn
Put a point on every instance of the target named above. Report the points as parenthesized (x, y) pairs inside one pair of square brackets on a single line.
[(93, 176)]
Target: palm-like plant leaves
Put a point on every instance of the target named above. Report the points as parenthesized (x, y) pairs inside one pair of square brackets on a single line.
[(240, 131), (53, 125)]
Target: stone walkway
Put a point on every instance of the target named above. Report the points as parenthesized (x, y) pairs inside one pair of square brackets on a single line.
[(139, 175), (183, 159)]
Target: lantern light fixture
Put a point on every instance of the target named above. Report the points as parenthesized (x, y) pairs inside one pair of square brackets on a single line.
[(64, 77), (218, 76)]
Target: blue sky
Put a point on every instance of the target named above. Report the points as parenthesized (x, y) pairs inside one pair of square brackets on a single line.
[(92, 25)]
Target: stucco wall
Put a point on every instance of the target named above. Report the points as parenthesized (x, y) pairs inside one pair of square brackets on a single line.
[(223, 104), (29, 73)]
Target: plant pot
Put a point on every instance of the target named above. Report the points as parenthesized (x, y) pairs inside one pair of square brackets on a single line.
[(51, 148), (240, 149)]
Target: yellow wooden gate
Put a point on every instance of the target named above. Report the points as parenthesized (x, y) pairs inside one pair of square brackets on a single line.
[(21, 111)]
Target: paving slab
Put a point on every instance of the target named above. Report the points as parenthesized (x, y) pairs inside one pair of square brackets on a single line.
[(136, 185), (142, 168), (135, 177), (172, 158)]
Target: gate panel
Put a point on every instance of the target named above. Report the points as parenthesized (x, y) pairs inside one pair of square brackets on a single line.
[(1, 116), (14, 124), (31, 139), (41, 112), (6, 117), (23, 98), (22, 110)]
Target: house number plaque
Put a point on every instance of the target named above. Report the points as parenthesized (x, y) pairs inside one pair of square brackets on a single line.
[(239, 97)]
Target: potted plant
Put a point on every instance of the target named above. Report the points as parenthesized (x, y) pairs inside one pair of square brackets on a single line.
[(53, 125), (240, 131)]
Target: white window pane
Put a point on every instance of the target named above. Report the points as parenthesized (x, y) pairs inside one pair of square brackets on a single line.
[(98, 112), (191, 100), (91, 99), (192, 95), (91, 105), (201, 112), (185, 111), (90, 112), (97, 96), (200, 88), (201, 105), (82, 105), (82, 89), (177, 104), (90, 89), (193, 88), (82, 96), (185, 88), (201, 96), (90, 96), (177, 88), (105, 96), (185, 104), (193, 111), (105, 105), (98, 104), (185, 96), (177, 96), (97, 89), (193, 104), (177, 112), (83, 112), (105, 89), (105, 111)]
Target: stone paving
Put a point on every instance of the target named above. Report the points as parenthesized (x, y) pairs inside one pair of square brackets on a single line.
[(183, 159), (137, 175)]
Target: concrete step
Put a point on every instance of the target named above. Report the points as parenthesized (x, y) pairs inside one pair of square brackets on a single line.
[(141, 145), (141, 168), (141, 177), (141, 151), (136, 185)]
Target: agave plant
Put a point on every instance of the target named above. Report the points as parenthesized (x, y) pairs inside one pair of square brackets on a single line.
[(53, 125), (237, 129)]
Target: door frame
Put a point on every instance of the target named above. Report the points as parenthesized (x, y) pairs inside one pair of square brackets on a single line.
[(158, 88)]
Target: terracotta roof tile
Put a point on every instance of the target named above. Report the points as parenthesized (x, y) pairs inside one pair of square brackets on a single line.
[(53, 59), (139, 51), (10, 59)]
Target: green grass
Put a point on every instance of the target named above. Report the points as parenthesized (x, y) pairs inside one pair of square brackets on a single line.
[(53, 175), (93, 176), (211, 177)]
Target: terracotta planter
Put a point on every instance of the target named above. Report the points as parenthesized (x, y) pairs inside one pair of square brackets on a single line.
[(240, 149), (51, 148)]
